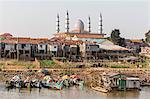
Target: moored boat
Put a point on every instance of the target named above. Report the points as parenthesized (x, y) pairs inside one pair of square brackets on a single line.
[(100, 89), (145, 83)]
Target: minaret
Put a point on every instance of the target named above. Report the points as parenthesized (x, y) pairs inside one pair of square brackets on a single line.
[(67, 23), (57, 24), (89, 24), (100, 29)]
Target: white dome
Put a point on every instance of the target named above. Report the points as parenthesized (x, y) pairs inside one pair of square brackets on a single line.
[(79, 25)]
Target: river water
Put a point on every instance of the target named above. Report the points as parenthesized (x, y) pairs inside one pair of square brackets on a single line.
[(71, 93)]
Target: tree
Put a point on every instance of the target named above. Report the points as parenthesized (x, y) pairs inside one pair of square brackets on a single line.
[(147, 35), (116, 39)]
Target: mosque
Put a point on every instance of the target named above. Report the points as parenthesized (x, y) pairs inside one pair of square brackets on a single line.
[(78, 32)]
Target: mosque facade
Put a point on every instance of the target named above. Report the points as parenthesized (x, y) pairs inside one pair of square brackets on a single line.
[(79, 32)]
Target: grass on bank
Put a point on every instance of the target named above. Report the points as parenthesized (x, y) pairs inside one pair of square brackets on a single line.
[(49, 64), (115, 66), (1, 66), (143, 64), (26, 64), (130, 65)]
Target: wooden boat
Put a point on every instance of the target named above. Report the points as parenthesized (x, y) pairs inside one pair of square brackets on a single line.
[(100, 89), (8, 84), (80, 83), (14, 84), (66, 82), (54, 85), (145, 84), (59, 85)]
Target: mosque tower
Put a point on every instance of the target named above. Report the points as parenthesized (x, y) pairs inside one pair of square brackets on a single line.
[(100, 29), (89, 24), (57, 24), (67, 23)]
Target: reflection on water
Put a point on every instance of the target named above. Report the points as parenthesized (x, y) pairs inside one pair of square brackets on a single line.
[(71, 93)]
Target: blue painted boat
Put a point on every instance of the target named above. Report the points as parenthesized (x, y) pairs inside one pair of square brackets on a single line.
[(54, 85)]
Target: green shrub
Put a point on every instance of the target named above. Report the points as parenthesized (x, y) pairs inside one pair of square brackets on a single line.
[(30, 66), (143, 64), (115, 66), (1, 66), (49, 64)]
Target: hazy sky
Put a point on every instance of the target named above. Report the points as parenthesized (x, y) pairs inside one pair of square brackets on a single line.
[(36, 18)]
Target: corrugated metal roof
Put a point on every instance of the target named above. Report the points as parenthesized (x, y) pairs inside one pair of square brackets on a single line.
[(6, 35), (92, 40), (132, 78), (22, 40), (112, 47)]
